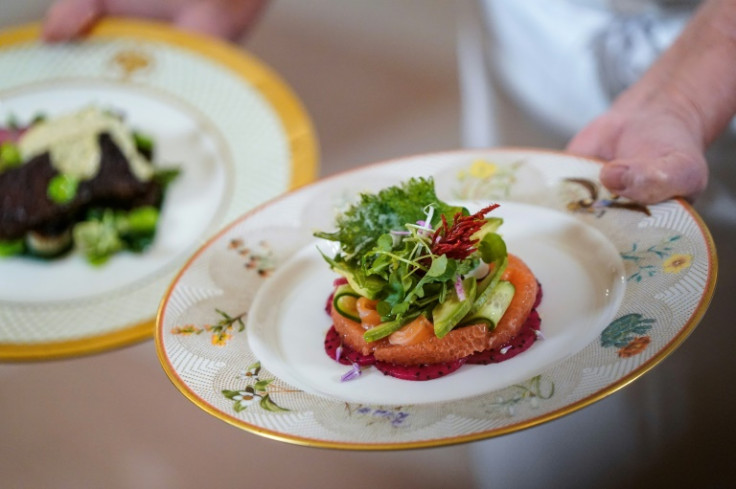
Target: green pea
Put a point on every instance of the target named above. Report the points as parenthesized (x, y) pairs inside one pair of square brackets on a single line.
[(143, 219), (9, 156), (62, 188)]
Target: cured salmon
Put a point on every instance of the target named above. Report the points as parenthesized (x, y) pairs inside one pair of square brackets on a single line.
[(458, 343)]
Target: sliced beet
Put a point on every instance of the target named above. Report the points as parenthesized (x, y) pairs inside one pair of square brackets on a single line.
[(328, 304), (419, 372), (538, 300), (348, 356), (519, 343)]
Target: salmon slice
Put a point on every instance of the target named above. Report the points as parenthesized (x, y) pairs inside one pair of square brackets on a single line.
[(458, 343)]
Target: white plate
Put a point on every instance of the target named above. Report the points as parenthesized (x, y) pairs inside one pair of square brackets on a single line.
[(286, 331), (241, 329), (235, 130)]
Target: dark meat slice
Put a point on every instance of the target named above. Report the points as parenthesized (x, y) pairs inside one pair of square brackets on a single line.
[(23, 201), (115, 185), (24, 205)]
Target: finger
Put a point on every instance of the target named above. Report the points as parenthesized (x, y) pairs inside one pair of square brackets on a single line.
[(593, 140), (70, 19), (226, 20), (652, 180)]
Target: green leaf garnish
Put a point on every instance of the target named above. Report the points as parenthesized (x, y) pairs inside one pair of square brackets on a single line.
[(407, 249)]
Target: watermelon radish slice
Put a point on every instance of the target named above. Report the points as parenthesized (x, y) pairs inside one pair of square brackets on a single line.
[(348, 356), (419, 372), (518, 344)]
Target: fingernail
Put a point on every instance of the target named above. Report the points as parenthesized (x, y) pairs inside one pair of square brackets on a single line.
[(613, 176)]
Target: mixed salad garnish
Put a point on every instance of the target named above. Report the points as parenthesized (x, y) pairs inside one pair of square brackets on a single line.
[(417, 255)]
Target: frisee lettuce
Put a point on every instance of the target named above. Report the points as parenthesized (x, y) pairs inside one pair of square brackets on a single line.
[(360, 227)]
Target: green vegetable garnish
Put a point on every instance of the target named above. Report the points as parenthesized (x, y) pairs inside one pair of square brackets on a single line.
[(143, 142), (412, 252), (143, 220), (11, 247), (62, 188), (390, 209), (107, 231), (98, 240), (9, 156), (164, 176)]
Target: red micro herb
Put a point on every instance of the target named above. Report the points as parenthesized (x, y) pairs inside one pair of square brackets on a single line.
[(455, 241)]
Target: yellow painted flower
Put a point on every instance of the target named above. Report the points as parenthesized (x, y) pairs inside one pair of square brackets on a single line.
[(677, 263), (482, 169), (221, 338), (186, 330)]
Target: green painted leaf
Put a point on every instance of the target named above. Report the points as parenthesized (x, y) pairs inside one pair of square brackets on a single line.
[(254, 367), (240, 407), (267, 404), (230, 394), (624, 329), (261, 385)]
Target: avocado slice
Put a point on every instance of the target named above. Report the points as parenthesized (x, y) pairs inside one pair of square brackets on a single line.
[(449, 313), (486, 286)]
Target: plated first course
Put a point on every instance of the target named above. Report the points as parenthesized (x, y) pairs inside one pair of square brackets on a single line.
[(235, 133), (241, 331)]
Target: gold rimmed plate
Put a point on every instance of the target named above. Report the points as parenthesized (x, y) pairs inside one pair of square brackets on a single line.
[(235, 130), (241, 329)]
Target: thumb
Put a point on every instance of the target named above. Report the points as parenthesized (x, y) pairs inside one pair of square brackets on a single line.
[(651, 180), (594, 140)]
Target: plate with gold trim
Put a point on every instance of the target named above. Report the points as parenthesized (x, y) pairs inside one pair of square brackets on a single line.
[(236, 131), (241, 329)]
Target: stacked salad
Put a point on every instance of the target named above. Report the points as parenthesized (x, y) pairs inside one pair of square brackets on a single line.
[(417, 255)]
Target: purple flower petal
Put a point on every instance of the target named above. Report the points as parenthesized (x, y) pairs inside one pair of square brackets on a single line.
[(460, 289), (353, 373), (338, 353)]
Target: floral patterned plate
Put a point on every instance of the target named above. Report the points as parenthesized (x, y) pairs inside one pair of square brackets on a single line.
[(240, 331), (238, 134)]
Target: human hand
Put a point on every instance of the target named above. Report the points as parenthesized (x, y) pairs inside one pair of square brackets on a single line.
[(655, 134), (228, 19), (653, 152)]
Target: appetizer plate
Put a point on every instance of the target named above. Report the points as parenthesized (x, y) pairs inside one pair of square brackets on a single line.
[(236, 131), (241, 329)]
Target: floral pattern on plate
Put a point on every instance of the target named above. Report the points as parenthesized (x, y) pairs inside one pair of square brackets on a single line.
[(662, 271)]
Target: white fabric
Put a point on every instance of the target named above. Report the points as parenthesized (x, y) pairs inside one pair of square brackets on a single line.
[(560, 63), (550, 56)]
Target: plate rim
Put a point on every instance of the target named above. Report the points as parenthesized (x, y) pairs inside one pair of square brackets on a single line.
[(683, 333), (298, 127)]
